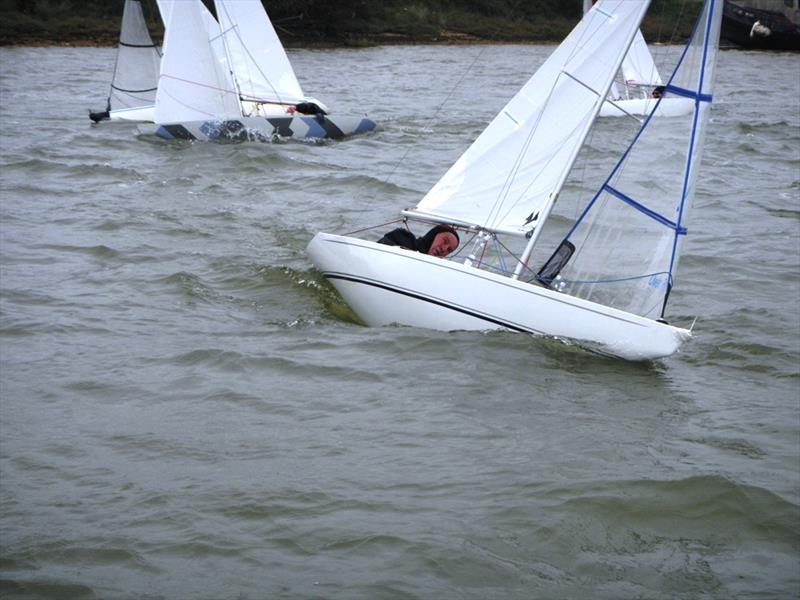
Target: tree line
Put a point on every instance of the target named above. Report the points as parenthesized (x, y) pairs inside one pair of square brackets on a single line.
[(345, 22)]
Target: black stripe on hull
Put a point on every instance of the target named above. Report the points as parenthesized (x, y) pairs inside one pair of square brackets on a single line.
[(459, 309)]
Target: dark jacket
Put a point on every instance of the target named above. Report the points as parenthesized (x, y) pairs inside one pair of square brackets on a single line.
[(404, 238), (400, 237)]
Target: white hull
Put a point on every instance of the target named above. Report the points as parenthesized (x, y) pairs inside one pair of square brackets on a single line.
[(257, 129), (140, 114), (641, 107), (387, 284)]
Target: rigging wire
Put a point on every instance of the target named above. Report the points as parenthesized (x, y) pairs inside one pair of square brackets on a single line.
[(437, 111), (502, 195)]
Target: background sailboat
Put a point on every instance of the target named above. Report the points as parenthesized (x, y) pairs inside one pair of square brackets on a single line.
[(135, 78), (231, 79), (639, 84), (606, 283)]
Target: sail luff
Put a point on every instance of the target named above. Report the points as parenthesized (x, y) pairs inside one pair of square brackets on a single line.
[(116, 58)]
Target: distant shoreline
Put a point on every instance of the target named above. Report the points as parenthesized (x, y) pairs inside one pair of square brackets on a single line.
[(351, 45), (363, 41), (95, 23)]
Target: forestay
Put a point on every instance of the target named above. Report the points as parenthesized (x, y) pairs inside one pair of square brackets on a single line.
[(195, 82), (629, 237), (257, 58), (512, 173), (136, 69)]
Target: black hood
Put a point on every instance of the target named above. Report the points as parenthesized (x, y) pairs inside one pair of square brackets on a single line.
[(424, 243)]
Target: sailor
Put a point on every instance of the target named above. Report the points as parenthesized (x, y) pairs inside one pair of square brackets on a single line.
[(439, 241)]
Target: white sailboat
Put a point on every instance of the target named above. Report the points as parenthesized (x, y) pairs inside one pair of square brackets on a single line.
[(640, 84), (231, 79), (135, 78), (605, 284)]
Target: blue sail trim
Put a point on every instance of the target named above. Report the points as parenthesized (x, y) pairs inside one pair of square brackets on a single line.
[(643, 209), (711, 6), (679, 91), (642, 128)]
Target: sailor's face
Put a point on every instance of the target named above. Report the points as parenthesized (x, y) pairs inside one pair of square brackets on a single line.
[(443, 244)]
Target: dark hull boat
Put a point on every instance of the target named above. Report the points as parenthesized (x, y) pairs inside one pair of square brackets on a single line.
[(762, 24)]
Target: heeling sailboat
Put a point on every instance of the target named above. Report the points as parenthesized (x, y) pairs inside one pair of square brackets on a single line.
[(135, 78), (637, 91), (231, 79), (607, 282)]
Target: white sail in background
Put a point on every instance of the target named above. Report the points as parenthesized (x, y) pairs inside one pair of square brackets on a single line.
[(136, 71), (628, 241), (195, 81), (257, 58), (516, 167), (638, 67)]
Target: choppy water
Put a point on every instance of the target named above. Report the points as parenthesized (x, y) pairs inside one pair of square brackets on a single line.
[(188, 411)]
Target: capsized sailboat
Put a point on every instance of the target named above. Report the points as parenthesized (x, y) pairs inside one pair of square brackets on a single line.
[(605, 283), (230, 79), (135, 78)]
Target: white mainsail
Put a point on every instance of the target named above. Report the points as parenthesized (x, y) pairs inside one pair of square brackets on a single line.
[(628, 239), (136, 70), (195, 81), (257, 58), (513, 172)]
